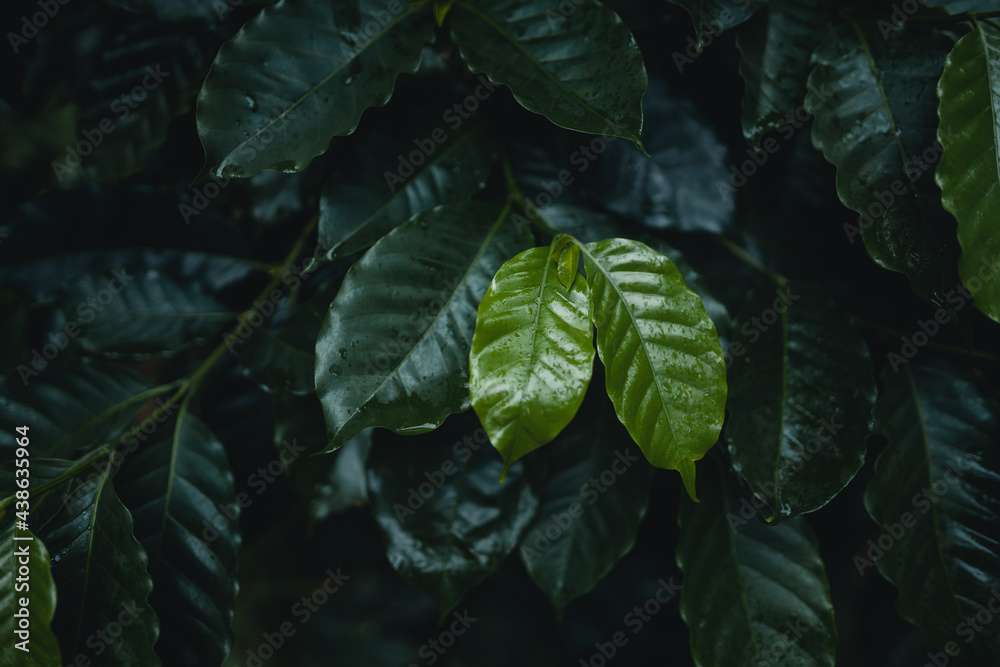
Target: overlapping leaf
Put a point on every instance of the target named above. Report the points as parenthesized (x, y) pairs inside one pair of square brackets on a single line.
[(969, 173), (362, 205), (753, 594), (876, 122), (800, 398), (775, 46), (532, 354), (665, 372), (39, 646), (70, 407), (100, 574), (394, 349), (594, 496), (936, 494), (713, 17), (175, 485), (447, 522), (300, 73), (580, 68)]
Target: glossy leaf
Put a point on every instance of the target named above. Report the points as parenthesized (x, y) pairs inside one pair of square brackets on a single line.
[(346, 485), (139, 311), (175, 486), (41, 648), (665, 373), (875, 122), (969, 173), (713, 17), (447, 522), (775, 46), (100, 574), (301, 73), (800, 398), (70, 407), (753, 594), (594, 496), (394, 349), (581, 69), (360, 206), (532, 354), (936, 495)]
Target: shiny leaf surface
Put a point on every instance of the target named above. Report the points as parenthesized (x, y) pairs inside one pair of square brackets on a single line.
[(39, 646)]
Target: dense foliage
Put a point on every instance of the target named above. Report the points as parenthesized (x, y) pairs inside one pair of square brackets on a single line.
[(497, 331)]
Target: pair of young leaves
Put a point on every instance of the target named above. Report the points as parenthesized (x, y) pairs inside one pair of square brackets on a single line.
[(532, 351)]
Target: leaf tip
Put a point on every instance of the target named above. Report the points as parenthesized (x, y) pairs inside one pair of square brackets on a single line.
[(687, 471)]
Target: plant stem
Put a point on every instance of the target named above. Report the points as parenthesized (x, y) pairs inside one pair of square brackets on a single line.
[(752, 261), (517, 197)]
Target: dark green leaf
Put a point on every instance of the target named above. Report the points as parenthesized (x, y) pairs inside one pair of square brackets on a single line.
[(800, 398), (100, 574), (447, 522), (753, 594), (362, 205), (665, 372), (936, 495), (876, 122), (176, 486), (346, 485), (300, 73), (532, 354), (713, 17), (775, 46), (969, 173), (394, 349), (962, 6), (595, 494), (147, 312), (284, 361), (580, 67), (38, 647), (180, 10), (70, 407)]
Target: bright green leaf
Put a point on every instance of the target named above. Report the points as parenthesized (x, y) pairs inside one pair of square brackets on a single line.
[(300, 73), (394, 349), (532, 354), (41, 646), (665, 371), (581, 69), (969, 172)]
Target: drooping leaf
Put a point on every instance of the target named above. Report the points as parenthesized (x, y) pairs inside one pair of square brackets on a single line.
[(70, 407), (580, 68), (594, 495), (175, 485), (775, 46), (447, 522), (101, 577), (665, 371), (713, 17), (394, 349), (300, 73), (936, 495), (38, 646), (875, 121), (532, 354), (138, 311), (969, 173), (753, 594), (801, 393), (346, 485), (360, 206)]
